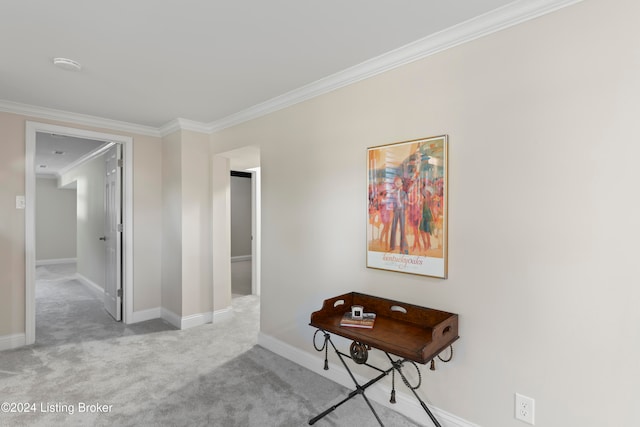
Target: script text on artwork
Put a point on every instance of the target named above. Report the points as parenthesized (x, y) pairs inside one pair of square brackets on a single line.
[(402, 261)]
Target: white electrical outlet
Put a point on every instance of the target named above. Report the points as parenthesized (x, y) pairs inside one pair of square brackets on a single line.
[(525, 409)]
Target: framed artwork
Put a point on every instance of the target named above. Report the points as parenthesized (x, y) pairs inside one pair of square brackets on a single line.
[(407, 209)]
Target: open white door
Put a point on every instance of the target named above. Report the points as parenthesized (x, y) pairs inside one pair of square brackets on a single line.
[(113, 232)]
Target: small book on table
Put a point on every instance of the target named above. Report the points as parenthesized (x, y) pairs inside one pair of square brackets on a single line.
[(367, 320)]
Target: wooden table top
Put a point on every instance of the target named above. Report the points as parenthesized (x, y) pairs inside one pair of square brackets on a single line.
[(406, 330)]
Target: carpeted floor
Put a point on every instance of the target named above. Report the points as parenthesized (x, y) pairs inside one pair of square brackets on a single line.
[(85, 369)]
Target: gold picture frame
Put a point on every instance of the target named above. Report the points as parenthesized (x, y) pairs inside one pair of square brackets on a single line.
[(407, 185)]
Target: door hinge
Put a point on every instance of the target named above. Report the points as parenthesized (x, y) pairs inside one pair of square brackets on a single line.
[(120, 228), (120, 163), (119, 293)]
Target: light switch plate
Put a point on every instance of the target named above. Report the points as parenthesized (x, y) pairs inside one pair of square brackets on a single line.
[(20, 202)]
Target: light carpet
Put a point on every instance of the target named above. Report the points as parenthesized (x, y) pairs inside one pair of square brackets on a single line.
[(88, 370)]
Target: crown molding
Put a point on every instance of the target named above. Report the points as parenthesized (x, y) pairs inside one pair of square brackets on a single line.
[(76, 118), (499, 19), (99, 122), (184, 124), (480, 26)]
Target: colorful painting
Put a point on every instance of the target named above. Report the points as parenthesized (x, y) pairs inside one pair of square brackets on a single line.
[(407, 209)]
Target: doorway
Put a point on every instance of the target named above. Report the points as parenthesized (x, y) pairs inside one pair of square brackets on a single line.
[(241, 233), (244, 160), (124, 259)]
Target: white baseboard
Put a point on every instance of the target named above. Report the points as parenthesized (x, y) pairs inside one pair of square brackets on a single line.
[(56, 261), (8, 342), (196, 320), (89, 283), (406, 403), (144, 315), (171, 317), (199, 319), (222, 315)]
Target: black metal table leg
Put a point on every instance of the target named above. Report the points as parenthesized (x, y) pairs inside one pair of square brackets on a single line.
[(396, 366), (358, 391)]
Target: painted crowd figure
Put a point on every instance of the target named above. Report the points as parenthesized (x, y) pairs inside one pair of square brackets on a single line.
[(398, 202)]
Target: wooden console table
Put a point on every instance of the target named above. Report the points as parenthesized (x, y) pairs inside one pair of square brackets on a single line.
[(413, 333)]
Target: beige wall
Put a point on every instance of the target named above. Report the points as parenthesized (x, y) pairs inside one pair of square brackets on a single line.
[(542, 120), (196, 225), (12, 247), (172, 223), (55, 221), (147, 218), (221, 232)]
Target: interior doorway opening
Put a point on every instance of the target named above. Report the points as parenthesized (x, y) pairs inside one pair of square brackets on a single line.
[(241, 233), (245, 162), (95, 237)]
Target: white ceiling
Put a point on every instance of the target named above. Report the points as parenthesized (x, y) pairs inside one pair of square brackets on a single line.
[(56, 152), (149, 62)]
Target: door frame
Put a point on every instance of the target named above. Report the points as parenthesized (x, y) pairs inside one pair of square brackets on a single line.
[(112, 187), (256, 221), (32, 128)]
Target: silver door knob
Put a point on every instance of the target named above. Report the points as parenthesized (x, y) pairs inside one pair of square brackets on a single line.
[(103, 238)]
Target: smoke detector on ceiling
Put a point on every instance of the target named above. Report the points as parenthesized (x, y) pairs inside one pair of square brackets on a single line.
[(67, 64)]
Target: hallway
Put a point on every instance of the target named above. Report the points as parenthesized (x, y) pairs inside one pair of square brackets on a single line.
[(68, 311)]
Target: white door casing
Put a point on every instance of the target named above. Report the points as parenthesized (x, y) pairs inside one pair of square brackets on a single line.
[(32, 128), (113, 232)]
